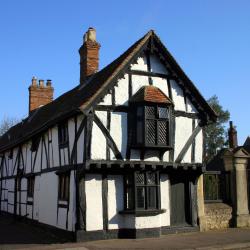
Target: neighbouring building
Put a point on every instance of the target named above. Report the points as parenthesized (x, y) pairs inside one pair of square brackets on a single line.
[(119, 155), (226, 186)]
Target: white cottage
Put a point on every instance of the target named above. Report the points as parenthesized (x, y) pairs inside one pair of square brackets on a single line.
[(117, 156)]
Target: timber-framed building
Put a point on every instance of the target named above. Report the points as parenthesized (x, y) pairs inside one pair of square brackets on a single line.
[(117, 156)]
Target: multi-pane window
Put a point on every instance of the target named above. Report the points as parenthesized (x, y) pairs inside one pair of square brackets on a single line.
[(152, 125), (30, 186), (63, 188), (141, 191), (63, 136)]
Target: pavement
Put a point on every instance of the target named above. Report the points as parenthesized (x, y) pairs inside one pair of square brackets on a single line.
[(19, 235)]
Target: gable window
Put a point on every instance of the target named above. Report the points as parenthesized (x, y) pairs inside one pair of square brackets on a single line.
[(152, 128), (142, 191), (30, 186), (63, 136), (150, 118), (63, 186)]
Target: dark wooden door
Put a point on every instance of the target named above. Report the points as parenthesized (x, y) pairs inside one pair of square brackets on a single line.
[(180, 202)]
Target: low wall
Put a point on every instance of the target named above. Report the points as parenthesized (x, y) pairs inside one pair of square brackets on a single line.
[(217, 216)]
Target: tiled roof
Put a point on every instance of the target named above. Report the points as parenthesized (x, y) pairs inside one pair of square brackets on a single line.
[(82, 97), (150, 94)]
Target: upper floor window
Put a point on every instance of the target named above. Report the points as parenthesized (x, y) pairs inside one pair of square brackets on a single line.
[(63, 136), (152, 125), (150, 118), (35, 143), (63, 186), (30, 186)]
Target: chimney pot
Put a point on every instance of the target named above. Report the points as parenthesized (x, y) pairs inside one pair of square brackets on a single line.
[(41, 83), (89, 55), (48, 83), (34, 81), (39, 95)]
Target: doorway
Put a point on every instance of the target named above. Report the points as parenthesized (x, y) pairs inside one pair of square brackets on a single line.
[(180, 202)]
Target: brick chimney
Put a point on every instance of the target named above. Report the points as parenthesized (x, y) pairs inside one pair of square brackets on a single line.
[(89, 55), (40, 94), (232, 136)]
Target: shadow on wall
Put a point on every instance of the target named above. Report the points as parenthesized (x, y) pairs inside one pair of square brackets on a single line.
[(21, 232)]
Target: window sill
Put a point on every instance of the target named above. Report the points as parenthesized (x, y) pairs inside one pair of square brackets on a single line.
[(156, 147), (143, 212)]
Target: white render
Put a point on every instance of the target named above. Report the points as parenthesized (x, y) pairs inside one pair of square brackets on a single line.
[(94, 219), (115, 201)]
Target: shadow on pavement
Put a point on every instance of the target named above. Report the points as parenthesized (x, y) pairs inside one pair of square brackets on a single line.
[(20, 232)]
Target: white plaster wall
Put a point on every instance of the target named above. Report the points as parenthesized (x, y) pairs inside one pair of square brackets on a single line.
[(119, 131), (138, 82), (55, 146), (182, 133), (199, 147), (141, 64), (156, 65), (166, 156), (72, 203), (29, 211), (98, 143), (10, 197), (190, 106), (165, 200), (48, 198), (121, 91), (178, 97), (93, 189), (71, 129), (44, 163), (28, 161), (15, 151), (151, 155), (37, 167), (64, 156), (61, 220), (80, 142), (36, 198), (161, 83), (107, 100), (50, 149), (24, 153), (115, 201), (148, 222)]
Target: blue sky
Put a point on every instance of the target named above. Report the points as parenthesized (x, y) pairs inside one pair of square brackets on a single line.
[(210, 39)]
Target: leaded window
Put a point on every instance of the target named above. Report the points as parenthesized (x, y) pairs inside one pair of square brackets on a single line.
[(142, 191), (152, 126)]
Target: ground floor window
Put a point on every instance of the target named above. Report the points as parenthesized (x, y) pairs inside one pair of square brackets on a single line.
[(142, 191), (63, 186), (30, 186)]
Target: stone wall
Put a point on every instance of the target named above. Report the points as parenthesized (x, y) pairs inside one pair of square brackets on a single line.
[(217, 216)]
